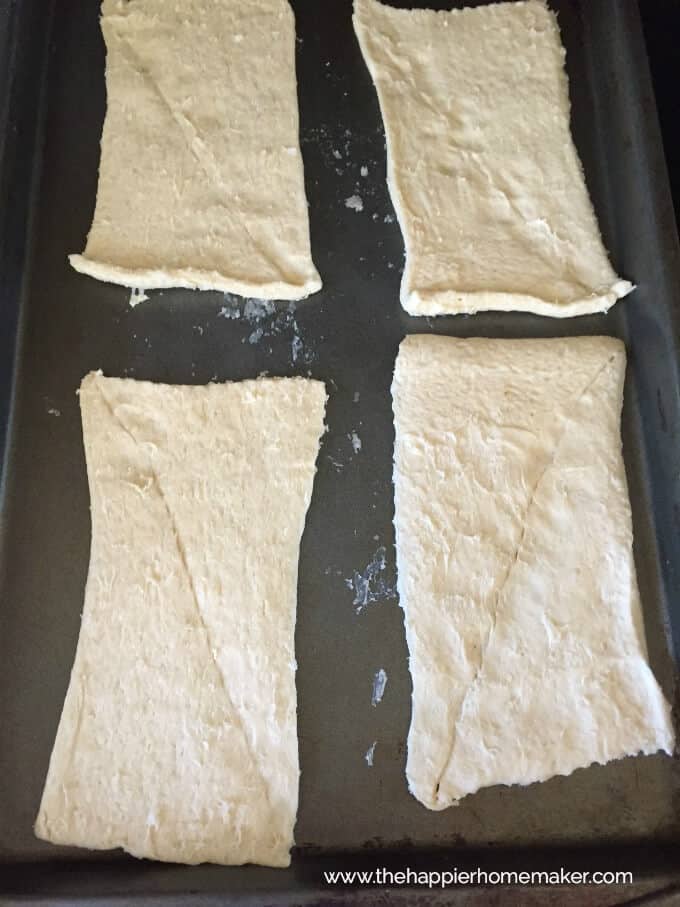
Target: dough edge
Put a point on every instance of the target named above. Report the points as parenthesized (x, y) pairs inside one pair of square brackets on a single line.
[(453, 302), (191, 279), (422, 796)]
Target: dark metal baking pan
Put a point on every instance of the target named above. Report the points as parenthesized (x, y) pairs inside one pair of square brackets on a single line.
[(624, 814)]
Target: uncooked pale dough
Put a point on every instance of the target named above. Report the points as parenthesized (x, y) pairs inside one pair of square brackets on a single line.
[(201, 180), (482, 170), (178, 736), (516, 572)]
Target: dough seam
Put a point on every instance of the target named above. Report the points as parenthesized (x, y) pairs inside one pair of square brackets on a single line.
[(514, 558)]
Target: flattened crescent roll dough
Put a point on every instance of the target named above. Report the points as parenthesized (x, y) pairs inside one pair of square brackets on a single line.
[(516, 572), (201, 179), (482, 170), (178, 736)]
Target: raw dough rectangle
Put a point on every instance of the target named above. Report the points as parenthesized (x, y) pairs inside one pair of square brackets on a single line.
[(515, 564), (178, 735), (201, 181), (482, 169)]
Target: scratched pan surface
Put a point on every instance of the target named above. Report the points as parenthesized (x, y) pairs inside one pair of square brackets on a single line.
[(346, 335)]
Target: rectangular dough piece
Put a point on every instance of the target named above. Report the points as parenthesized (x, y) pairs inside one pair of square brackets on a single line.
[(177, 739), (201, 181), (482, 169), (515, 564)]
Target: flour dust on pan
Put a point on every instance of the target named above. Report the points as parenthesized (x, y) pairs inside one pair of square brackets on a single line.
[(379, 684), (267, 320), (137, 295), (355, 441), (370, 753), (373, 583)]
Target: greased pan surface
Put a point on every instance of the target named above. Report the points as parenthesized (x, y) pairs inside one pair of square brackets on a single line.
[(347, 335)]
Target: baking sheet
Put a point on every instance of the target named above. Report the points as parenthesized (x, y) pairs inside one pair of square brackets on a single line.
[(347, 335)]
